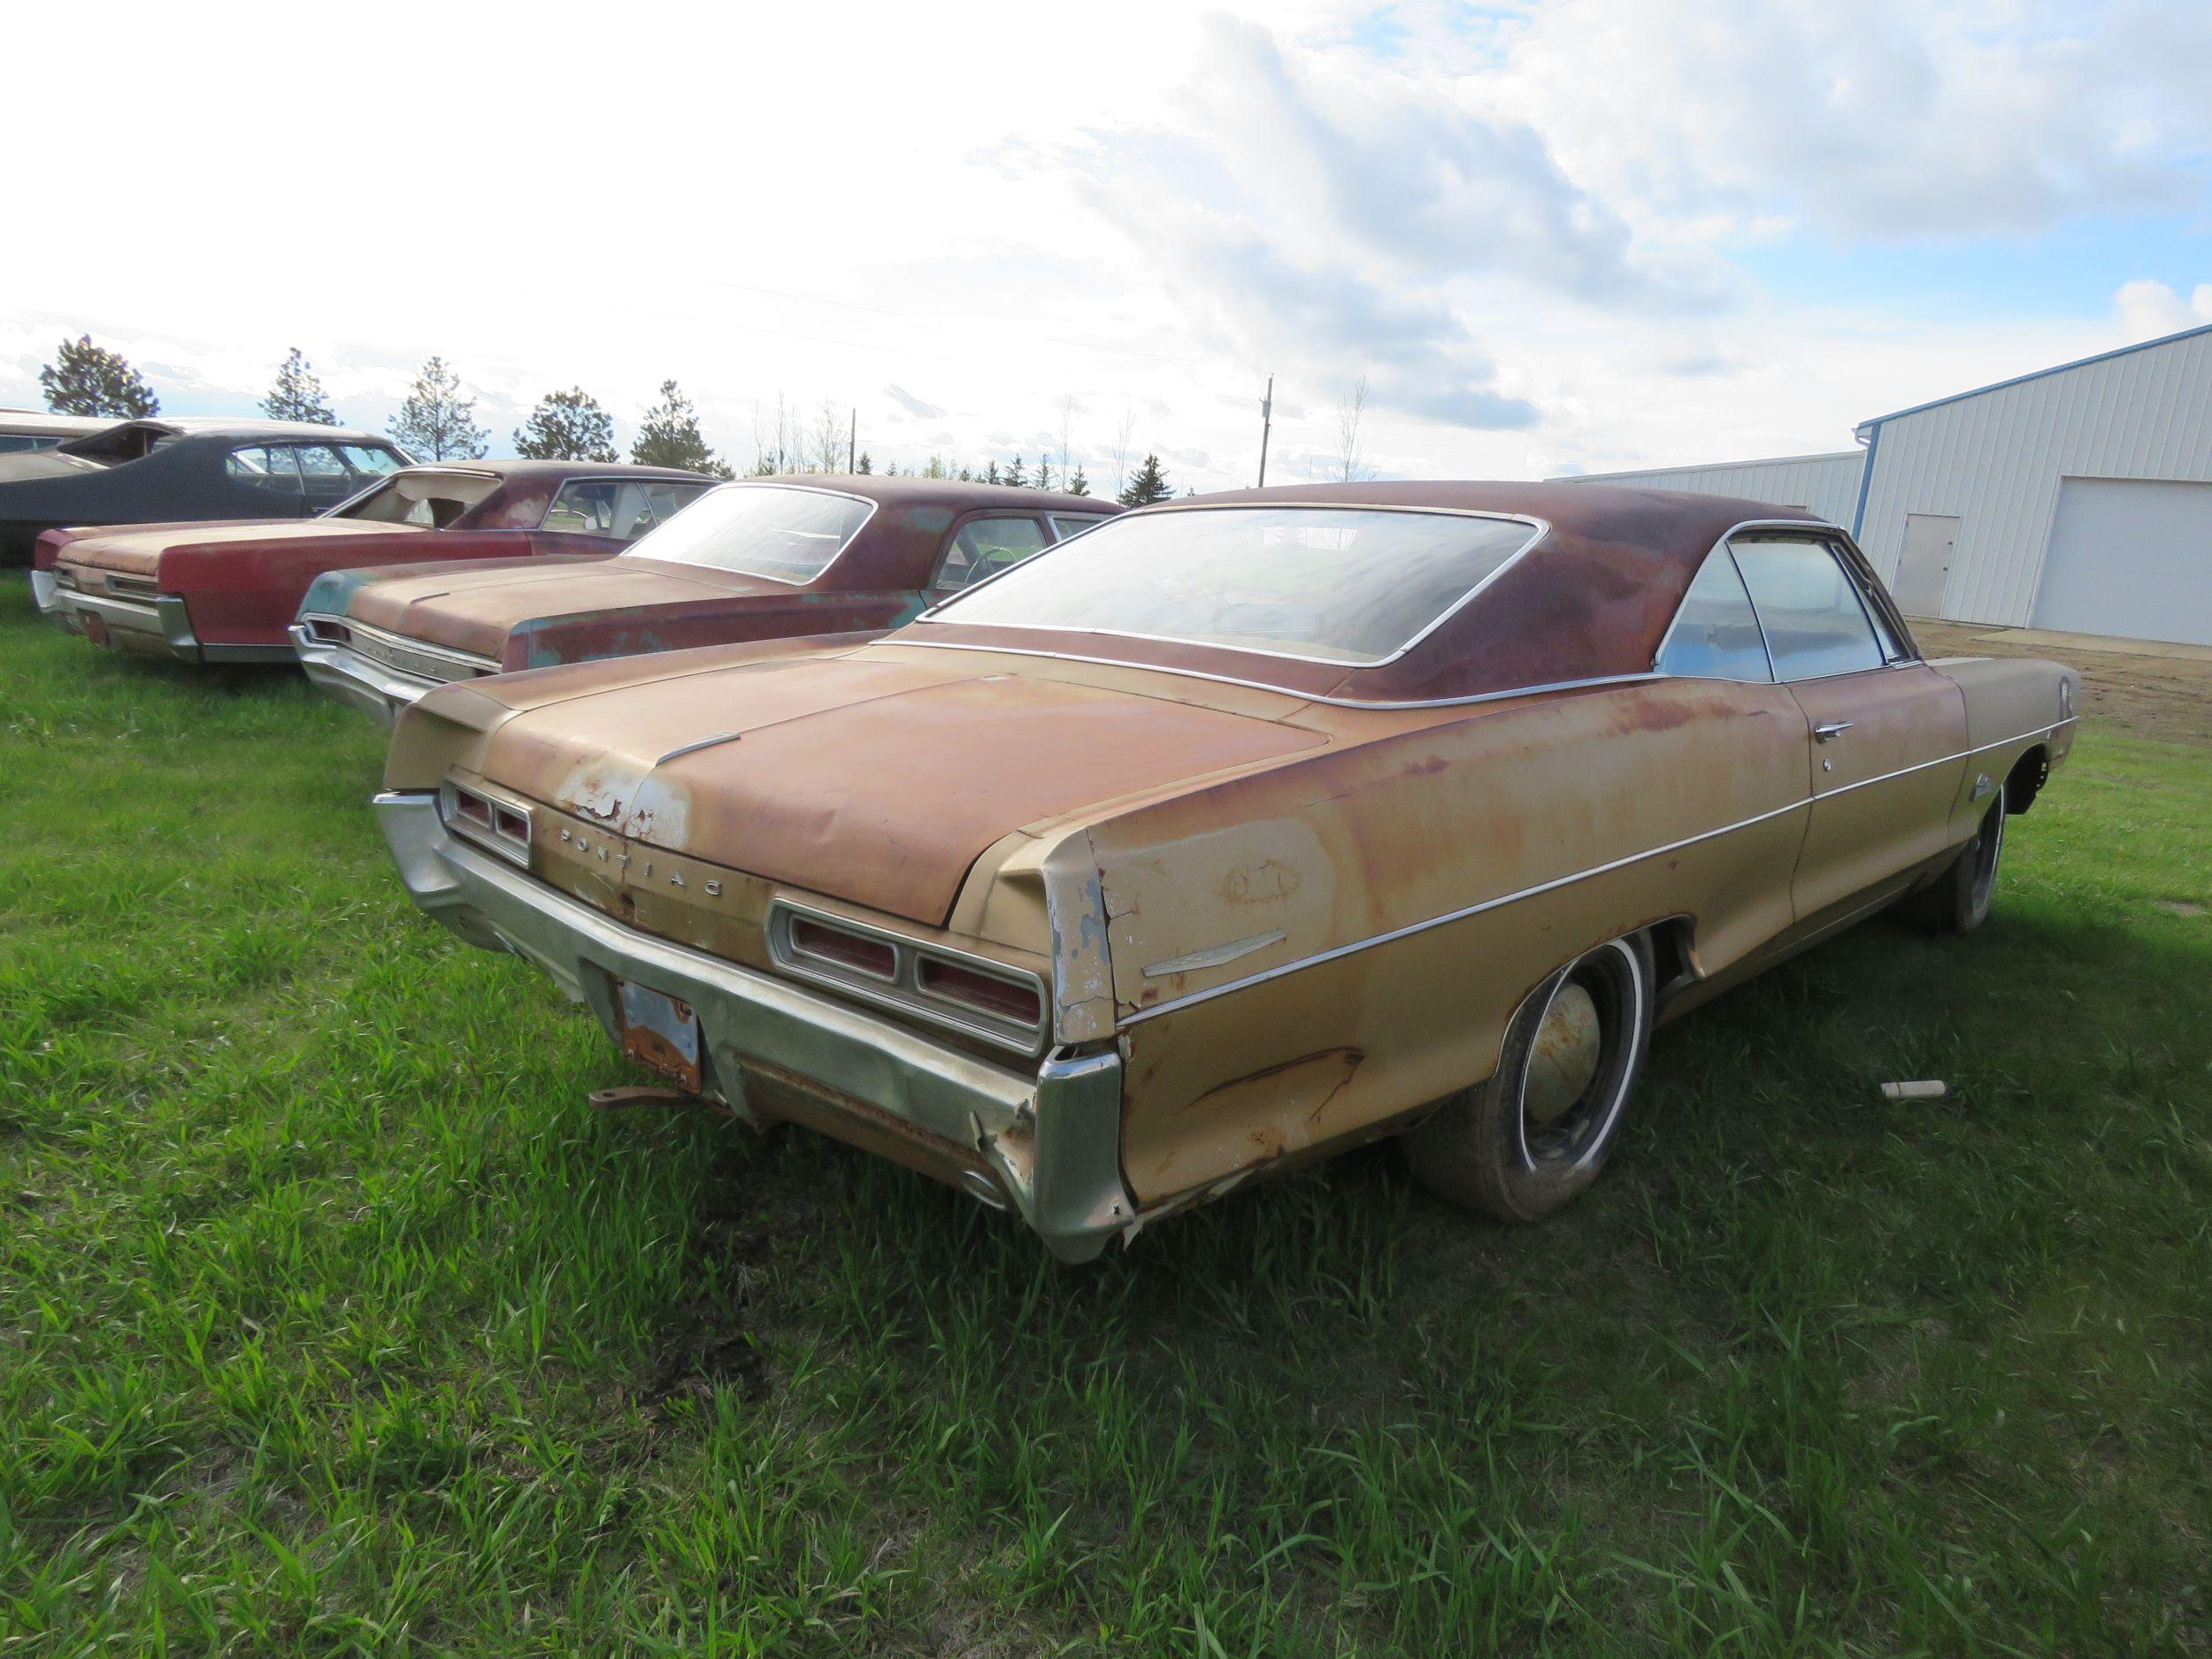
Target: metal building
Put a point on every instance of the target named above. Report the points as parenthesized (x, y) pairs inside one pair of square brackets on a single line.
[(2077, 497), (1824, 484)]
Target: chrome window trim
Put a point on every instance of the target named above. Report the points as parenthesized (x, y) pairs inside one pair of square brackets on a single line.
[(1540, 529), (903, 992), (1498, 902), (828, 564), (1261, 685)]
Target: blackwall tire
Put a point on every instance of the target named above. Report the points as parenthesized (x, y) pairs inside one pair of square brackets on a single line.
[(1530, 1139), (1957, 901)]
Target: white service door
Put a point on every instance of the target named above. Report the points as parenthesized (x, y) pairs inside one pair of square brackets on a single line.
[(2131, 558)]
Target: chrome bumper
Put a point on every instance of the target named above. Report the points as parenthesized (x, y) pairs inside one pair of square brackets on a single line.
[(160, 625), (44, 586), (1052, 1136), (355, 681)]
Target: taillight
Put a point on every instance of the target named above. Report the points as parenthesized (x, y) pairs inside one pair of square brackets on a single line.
[(494, 824), (955, 982), (862, 952), (996, 1002)]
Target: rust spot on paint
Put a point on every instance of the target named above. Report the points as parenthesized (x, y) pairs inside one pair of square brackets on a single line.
[(1263, 883)]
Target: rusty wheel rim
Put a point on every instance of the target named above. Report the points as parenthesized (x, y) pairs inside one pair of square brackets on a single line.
[(1575, 1075)]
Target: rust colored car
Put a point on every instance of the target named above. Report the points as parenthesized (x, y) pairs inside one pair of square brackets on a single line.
[(226, 592), (761, 559), (1238, 831)]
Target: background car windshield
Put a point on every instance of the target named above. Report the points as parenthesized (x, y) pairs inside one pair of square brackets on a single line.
[(1344, 585), (788, 535)]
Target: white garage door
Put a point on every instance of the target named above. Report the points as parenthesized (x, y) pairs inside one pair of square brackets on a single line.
[(2131, 557)]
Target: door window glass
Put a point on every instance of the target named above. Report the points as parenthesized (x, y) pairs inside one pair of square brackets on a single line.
[(268, 466), (1715, 634), (1809, 606), (370, 460), (984, 548), (324, 470)]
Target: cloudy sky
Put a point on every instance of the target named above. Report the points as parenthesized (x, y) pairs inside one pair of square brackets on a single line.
[(1555, 235)]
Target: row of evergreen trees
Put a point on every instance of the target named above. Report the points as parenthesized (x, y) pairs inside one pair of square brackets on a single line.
[(437, 421)]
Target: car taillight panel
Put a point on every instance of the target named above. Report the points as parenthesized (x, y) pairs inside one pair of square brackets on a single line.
[(1004, 1005), (502, 825)]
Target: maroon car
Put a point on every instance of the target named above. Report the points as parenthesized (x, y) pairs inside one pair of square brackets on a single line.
[(764, 559), (226, 592)]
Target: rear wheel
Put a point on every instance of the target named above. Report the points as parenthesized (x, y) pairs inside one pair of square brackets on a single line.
[(1957, 901), (1524, 1142)]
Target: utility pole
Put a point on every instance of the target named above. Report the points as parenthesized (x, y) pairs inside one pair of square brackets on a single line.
[(1267, 425), (852, 439)]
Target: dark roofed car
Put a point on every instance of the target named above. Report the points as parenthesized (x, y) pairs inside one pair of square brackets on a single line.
[(196, 468), (1236, 833), (764, 558), (226, 592)]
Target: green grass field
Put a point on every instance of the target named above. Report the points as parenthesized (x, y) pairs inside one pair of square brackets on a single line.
[(333, 1320)]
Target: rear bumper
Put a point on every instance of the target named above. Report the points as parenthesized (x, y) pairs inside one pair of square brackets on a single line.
[(360, 682), (157, 627), (1044, 1138)]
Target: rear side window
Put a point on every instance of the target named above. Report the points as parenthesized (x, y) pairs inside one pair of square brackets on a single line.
[(269, 466), (983, 548), (1809, 606), (1716, 636), (1067, 524), (625, 509)]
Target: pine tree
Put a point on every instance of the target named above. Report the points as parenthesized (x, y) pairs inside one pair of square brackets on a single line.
[(436, 421), (990, 472), (1014, 473), (88, 380), (1078, 485), (298, 394), (1043, 480), (567, 426), (670, 436), (1147, 485), (864, 465)]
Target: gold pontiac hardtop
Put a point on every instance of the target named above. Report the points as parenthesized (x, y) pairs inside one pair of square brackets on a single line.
[(1236, 832)]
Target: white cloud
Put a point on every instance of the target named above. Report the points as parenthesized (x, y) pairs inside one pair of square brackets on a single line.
[(2147, 309), (1518, 224)]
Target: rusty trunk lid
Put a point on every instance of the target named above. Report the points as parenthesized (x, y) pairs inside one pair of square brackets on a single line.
[(137, 551), (871, 780), (474, 608)]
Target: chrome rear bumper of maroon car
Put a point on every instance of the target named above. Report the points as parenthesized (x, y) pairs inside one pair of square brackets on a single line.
[(1048, 1133), (135, 618), (374, 672)]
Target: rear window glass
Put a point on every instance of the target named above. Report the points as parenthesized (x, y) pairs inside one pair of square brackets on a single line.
[(420, 497), (771, 530), (1347, 585)]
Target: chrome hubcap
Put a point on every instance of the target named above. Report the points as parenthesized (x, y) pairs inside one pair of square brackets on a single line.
[(1564, 1060)]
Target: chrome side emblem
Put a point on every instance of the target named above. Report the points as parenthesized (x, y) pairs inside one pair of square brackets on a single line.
[(1982, 786), (2065, 700)]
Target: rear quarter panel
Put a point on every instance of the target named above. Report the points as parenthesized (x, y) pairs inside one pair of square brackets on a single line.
[(2014, 705), (1556, 823)]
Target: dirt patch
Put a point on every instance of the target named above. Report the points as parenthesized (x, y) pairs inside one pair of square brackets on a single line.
[(2179, 907), (2168, 697)]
